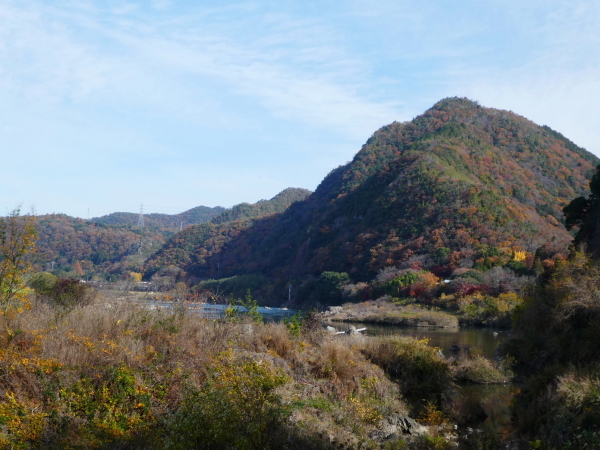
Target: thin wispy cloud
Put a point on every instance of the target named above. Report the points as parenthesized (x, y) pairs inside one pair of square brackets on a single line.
[(147, 90), (143, 62)]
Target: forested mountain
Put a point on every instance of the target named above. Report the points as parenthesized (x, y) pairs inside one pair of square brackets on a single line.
[(108, 245), (194, 244), (71, 245), (199, 214), (114, 244), (262, 208), (459, 183)]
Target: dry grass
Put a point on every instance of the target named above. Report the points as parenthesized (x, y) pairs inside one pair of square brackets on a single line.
[(384, 312), (576, 389), (112, 334), (109, 372)]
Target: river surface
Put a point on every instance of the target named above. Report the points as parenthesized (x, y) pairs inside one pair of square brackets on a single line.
[(493, 400), (482, 340), (214, 311)]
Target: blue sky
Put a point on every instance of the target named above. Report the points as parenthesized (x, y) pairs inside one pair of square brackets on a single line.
[(175, 104)]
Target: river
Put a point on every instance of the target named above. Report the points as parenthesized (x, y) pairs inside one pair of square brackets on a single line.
[(483, 340), (493, 400), (215, 311)]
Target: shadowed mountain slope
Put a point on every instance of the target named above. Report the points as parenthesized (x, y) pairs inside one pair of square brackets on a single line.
[(200, 241)]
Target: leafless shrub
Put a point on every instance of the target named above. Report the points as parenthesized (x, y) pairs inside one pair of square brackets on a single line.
[(417, 261), (501, 280), (355, 292), (386, 274)]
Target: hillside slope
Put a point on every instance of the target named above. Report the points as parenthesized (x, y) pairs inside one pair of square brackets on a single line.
[(114, 244), (455, 181), (195, 244), (99, 249)]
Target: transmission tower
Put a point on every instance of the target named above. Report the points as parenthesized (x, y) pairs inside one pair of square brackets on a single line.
[(141, 217)]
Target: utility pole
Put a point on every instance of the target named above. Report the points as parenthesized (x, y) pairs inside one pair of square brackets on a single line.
[(181, 226), (289, 293), (141, 217), (141, 225)]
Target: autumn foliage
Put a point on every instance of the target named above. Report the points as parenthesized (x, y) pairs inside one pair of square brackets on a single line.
[(438, 193)]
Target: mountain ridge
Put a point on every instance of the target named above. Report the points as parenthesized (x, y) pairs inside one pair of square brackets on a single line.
[(460, 177), (116, 245), (198, 214)]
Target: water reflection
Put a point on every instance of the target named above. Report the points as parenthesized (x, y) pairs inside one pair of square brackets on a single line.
[(473, 406), (485, 340)]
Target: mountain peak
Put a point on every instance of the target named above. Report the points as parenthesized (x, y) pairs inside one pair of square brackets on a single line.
[(454, 103), (460, 177)]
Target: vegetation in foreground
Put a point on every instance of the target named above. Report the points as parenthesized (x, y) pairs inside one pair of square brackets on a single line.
[(113, 375), (555, 342), (116, 375)]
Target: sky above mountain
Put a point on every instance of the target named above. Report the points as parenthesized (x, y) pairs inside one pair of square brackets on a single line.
[(175, 104)]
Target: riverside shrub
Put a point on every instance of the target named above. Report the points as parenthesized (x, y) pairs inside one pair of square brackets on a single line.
[(479, 370), (69, 292), (418, 368), (237, 407)]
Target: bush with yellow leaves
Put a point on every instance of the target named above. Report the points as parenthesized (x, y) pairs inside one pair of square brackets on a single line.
[(237, 407)]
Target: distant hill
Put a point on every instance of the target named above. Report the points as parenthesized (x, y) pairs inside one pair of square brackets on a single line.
[(114, 244), (109, 245), (193, 216), (456, 182), (100, 249)]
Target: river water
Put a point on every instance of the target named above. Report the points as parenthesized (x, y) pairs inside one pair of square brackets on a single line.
[(493, 400), (215, 311), (482, 340)]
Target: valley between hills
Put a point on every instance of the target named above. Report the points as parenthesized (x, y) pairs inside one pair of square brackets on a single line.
[(465, 215)]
